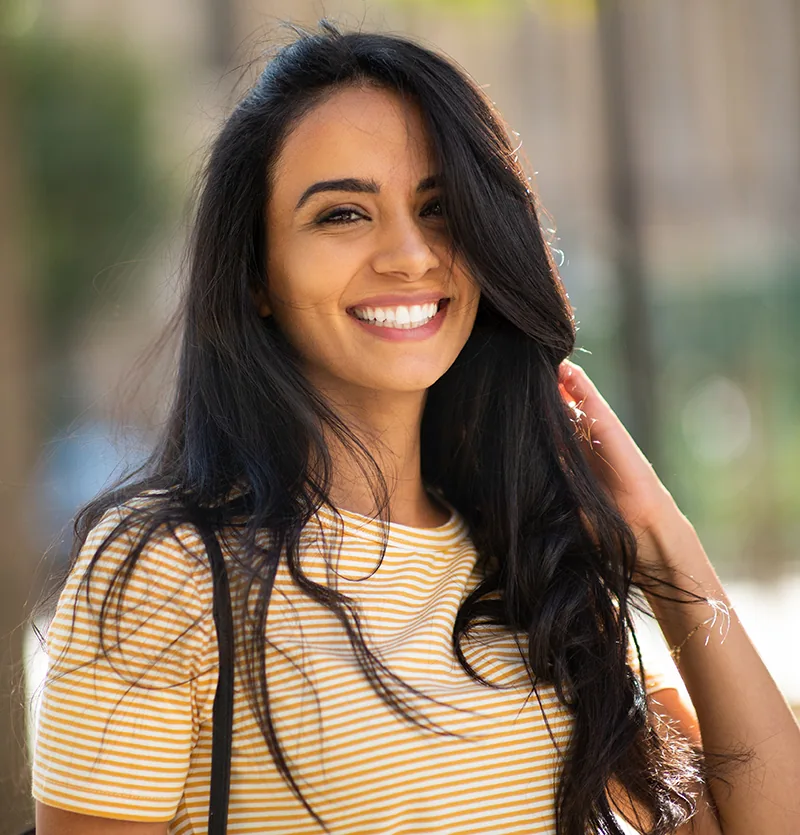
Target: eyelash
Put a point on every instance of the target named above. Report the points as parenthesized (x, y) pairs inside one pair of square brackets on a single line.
[(334, 217)]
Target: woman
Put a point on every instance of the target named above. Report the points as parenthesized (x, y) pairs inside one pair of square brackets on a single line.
[(433, 523)]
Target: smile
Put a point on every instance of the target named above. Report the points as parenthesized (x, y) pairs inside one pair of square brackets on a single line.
[(399, 316), (401, 321)]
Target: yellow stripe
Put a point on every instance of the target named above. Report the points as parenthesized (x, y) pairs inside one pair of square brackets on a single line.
[(139, 754)]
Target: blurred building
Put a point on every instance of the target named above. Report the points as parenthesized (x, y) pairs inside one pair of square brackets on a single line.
[(711, 94), (713, 87)]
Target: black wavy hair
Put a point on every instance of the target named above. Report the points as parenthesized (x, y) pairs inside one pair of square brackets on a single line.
[(243, 448)]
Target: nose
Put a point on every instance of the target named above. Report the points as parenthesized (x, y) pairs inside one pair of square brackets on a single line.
[(405, 249)]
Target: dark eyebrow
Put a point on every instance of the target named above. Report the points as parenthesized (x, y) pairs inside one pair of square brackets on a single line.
[(355, 185)]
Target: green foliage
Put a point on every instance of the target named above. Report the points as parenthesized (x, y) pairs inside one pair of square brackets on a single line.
[(746, 335), (92, 188), (728, 396)]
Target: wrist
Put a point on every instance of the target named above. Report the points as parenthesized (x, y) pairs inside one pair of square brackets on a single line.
[(672, 562), (666, 545), (678, 572)]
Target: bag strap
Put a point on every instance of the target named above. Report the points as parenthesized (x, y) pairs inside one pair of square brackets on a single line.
[(222, 721), (222, 716)]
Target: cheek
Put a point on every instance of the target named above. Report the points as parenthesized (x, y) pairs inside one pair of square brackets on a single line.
[(304, 292), (308, 275)]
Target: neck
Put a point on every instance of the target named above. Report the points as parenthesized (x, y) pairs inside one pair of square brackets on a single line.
[(388, 425)]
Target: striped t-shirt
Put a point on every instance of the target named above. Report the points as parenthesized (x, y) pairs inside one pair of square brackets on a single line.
[(129, 736)]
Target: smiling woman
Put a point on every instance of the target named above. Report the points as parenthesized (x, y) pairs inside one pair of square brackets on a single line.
[(432, 573), (357, 265)]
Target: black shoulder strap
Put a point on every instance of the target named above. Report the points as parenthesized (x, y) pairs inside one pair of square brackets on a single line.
[(222, 723)]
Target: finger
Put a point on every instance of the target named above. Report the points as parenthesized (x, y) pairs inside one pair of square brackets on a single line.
[(578, 417), (565, 369), (602, 424), (566, 396), (573, 377), (578, 384)]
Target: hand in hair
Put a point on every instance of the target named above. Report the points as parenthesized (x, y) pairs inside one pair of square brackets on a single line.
[(742, 717), (620, 466)]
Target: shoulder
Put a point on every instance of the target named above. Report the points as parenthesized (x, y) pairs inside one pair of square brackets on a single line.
[(136, 589), (132, 671), (128, 540)]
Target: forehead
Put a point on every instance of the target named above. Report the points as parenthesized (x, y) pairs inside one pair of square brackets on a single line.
[(354, 132)]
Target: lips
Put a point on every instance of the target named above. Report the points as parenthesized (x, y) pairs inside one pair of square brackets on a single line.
[(398, 323)]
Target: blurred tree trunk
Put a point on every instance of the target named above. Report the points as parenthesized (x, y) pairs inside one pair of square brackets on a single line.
[(17, 449), (635, 344), (222, 33)]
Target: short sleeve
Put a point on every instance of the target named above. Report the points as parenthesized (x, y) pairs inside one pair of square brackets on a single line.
[(118, 722)]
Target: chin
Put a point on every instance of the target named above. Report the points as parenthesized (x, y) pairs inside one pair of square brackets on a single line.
[(401, 383)]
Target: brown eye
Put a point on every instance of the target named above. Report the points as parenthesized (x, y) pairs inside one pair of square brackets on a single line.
[(341, 216), (434, 208)]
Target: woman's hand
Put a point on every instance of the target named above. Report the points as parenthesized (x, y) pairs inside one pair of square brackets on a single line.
[(738, 706), (620, 466)]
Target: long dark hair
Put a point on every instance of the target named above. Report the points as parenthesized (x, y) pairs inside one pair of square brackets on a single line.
[(243, 449)]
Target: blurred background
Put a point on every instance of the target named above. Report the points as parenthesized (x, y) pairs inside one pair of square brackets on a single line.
[(663, 137)]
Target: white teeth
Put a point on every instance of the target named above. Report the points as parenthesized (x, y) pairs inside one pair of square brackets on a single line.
[(401, 316)]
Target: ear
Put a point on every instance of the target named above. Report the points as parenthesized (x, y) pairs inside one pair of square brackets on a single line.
[(261, 302)]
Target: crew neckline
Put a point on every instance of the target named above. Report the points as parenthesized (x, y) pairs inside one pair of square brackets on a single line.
[(371, 528)]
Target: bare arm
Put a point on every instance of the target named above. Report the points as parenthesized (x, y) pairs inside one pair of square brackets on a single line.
[(736, 701), (52, 821), (738, 705)]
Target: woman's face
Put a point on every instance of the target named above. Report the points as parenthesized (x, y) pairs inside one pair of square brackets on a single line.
[(358, 264)]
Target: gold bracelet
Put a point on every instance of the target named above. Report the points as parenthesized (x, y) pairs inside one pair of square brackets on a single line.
[(675, 652), (720, 609)]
